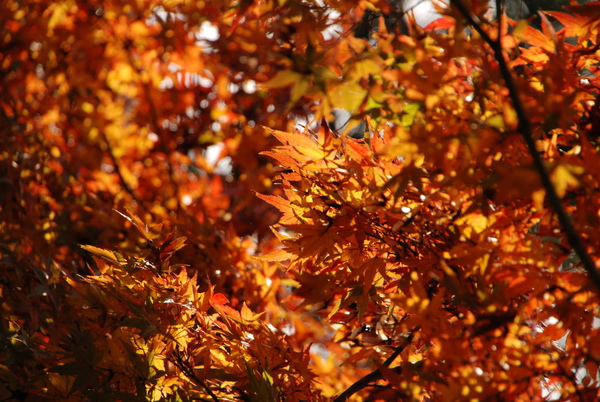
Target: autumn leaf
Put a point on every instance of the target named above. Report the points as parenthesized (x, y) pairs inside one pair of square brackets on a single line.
[(573, 25), (106, 255), (219, 302), (564, 177)]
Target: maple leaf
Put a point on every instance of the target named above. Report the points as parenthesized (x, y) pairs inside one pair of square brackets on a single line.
[(451, 253)]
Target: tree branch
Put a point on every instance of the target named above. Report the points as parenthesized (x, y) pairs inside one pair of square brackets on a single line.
[(187, 370), (376, 374), (524, 128)]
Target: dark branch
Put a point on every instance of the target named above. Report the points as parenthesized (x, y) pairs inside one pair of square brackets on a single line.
[(376, 374), (526, 132), (188, 371)]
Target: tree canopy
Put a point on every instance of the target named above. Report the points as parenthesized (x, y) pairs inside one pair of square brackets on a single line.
[(180, 221)]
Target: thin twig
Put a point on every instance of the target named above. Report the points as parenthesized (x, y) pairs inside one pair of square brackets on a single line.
[(119, 174), (376, 374), (524, 128)]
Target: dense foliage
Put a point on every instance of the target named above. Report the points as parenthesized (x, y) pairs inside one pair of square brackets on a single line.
[(178, 220)]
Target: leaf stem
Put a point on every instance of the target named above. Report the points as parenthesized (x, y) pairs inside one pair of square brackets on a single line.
[(524, 128)]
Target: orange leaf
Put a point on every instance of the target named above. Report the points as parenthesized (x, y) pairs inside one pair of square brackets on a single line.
[(574, 25), (281, 204), (219, 303)]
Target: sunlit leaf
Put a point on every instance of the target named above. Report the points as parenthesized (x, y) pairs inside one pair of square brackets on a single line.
[(106, 255)]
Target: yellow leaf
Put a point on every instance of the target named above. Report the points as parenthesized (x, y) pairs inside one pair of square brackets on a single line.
[(58, 14), (473, 224), (483, 263), (247, 315), (563, 178), (300, 88), (323, 74), (496, 121), (347, 96), (335, 308), (364, 68), (276, 256), (106, 255), (538, 198), (519, 31), (282, 79)]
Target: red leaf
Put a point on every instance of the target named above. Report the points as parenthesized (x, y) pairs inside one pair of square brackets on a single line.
[(440, 23), (218, 299)]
